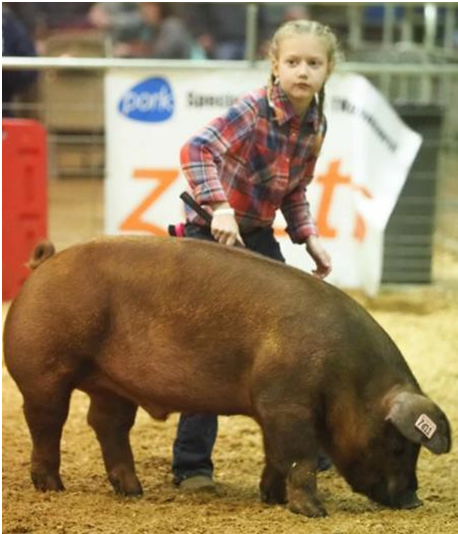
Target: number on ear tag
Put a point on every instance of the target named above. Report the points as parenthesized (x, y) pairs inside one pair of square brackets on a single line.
[(426, 426)]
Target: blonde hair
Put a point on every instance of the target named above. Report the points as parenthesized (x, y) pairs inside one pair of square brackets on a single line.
[(301, 27)]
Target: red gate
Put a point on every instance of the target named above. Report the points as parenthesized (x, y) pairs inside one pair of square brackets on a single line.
[(24, 204)]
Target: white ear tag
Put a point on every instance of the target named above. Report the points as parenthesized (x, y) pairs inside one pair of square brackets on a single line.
[(426, 426)]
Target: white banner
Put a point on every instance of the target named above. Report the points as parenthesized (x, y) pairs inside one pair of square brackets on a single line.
[(365, 160)]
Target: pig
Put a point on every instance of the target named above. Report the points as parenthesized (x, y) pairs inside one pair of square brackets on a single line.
[(180, 325)]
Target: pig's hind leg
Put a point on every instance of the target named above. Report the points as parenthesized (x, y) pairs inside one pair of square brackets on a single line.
[(112, 417), (46, 410)]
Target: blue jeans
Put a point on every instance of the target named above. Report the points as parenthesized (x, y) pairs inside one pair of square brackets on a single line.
[(196, 434)]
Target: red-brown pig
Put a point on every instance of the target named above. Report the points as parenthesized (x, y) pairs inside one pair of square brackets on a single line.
[(179, 325)]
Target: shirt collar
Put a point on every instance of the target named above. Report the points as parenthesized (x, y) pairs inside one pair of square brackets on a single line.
[(284, 110)]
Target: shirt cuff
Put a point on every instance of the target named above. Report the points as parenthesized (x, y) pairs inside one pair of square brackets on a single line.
[(209, 193), (300, 235)]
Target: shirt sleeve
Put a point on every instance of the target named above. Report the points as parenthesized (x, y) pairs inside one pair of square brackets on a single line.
[(201, 156), (296, 210)]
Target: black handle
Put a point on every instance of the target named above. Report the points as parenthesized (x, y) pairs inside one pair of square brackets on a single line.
[(187, 199)]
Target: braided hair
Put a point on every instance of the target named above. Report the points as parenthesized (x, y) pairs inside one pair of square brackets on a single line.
[(321, 104)]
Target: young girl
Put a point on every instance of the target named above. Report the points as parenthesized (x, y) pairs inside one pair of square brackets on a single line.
[(245, 165)]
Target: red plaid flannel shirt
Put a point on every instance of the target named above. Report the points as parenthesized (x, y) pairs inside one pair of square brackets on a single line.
[(259, 157)]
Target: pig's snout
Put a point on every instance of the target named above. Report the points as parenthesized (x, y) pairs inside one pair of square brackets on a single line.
[(406, 500), (404, 497)]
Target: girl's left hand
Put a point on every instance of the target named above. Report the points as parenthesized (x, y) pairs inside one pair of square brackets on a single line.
[(320, 256)]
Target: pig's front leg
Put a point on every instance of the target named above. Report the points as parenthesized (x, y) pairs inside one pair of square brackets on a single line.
[(291, 451), (302, 490)]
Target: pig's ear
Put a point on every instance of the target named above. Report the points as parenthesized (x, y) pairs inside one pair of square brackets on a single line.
[(421, 421)]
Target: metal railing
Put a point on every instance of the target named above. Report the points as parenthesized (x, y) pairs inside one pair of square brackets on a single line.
[(102, 64)]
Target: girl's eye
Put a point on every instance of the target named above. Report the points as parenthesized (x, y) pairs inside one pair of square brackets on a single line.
[(291, 62)]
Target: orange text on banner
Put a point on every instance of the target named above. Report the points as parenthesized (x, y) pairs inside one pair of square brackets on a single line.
[(164, 178), (329, 181)]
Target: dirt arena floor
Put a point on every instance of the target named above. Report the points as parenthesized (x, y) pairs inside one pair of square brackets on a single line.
[(423, 322)]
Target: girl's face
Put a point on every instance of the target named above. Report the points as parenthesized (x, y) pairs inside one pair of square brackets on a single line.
[(302, 67)]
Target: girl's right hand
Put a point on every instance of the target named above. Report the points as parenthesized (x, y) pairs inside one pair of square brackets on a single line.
[(224, 227)]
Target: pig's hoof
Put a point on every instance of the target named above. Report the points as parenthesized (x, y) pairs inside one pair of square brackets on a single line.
[(127, 486), (272, 487), (273, 495), (45, 482), (315, 510)]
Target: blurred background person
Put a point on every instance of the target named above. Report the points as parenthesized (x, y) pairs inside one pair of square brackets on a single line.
[(122, 21), (143, 30), (49, 20), (219, 28), (59, 16)]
